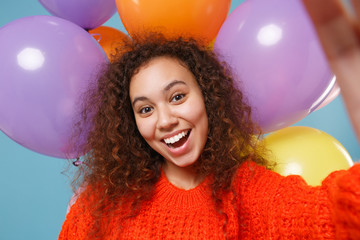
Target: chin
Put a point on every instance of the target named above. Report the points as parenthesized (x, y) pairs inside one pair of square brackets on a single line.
[(183, 163)]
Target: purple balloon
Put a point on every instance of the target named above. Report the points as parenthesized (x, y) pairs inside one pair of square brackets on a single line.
[(46, 64), (277, 60), (88, 14)]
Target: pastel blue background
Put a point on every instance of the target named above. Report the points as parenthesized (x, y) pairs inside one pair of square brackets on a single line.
[(33, 191)]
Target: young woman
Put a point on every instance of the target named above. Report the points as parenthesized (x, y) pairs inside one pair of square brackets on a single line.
[(172, 155)]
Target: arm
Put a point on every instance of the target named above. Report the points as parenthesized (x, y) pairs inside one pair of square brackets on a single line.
[(277, 207), (339, 34), (343, 188)]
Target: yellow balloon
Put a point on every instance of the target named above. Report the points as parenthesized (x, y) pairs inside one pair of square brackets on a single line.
[(211, 44), (306, 151)]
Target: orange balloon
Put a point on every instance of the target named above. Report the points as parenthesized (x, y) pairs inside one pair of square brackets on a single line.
[(199, 19), (109, 39)]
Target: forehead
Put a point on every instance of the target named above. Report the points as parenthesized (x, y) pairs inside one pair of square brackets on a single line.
[(158, 72)]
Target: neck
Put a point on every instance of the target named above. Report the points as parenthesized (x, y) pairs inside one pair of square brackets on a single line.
[(181, 177)]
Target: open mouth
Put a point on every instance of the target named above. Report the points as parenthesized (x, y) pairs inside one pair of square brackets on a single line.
[(177, 140)]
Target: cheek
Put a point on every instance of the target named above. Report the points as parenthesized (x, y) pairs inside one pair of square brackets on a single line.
[(197, 112), (145, 128), (201, 119), (204, 123)]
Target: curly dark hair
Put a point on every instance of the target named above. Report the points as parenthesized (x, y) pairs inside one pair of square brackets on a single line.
[(122, 165)]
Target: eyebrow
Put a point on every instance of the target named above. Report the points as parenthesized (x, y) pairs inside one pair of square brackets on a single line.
[(173, 83), (139, 99), (166, 88)]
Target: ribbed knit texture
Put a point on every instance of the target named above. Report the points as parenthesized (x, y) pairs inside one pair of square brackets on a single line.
[(265, 206)]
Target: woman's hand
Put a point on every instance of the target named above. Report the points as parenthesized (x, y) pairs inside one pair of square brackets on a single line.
[(339, 34)]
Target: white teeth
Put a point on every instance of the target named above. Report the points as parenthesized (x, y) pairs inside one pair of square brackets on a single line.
[(175, 138)]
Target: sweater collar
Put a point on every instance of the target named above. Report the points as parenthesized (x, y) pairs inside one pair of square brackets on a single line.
[(167, 193)]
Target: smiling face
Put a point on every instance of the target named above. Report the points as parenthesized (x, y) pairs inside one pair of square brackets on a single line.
[(169, 110)]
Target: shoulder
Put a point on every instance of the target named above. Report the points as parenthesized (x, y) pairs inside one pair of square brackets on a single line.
[(85, 199), (78, 219)]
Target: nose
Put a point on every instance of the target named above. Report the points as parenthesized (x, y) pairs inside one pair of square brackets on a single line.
[(166, 118)]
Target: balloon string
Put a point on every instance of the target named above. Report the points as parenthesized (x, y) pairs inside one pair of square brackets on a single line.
[(96, 35)]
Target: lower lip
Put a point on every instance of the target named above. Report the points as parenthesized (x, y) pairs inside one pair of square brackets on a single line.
[(180, 150)]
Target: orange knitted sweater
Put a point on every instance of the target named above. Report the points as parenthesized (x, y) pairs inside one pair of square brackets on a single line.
[(264, 205)]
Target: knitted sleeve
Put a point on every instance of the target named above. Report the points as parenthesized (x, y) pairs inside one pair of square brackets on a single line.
[(277, 207)]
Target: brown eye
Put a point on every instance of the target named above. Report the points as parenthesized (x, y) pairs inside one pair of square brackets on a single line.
[(178, 97), (145, 110)]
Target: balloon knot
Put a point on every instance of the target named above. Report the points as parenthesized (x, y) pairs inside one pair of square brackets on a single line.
[(77, 162)]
